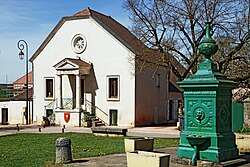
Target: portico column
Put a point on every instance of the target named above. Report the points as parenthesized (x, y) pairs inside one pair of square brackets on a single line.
[(59, 90), (78, 91)]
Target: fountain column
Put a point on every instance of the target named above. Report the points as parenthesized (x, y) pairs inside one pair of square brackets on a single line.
[(207, 110)]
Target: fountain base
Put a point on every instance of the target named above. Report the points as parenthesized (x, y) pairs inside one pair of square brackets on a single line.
[(220, 147)]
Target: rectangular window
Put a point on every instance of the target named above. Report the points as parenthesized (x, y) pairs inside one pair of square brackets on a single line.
[(158, 80), (49, 88), (113, 87)]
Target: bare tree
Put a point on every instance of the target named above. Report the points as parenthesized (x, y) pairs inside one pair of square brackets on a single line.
[(176, 27)]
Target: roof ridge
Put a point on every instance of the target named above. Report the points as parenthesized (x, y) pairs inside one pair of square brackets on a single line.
[(89, 11), (86, 12)]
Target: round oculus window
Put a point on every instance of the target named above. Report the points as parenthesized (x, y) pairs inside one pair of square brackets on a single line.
[(79, 43)]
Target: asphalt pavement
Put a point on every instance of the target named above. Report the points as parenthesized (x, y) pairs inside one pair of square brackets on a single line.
[(157, 131)]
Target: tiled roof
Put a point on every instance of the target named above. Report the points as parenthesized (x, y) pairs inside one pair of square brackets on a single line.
[(22, 80), (23, 96), (127, 38), (4, 99), (79, 62), (20, 97), (116, 29)]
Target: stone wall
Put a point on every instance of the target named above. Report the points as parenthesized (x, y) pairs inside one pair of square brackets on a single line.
[(247, 113)]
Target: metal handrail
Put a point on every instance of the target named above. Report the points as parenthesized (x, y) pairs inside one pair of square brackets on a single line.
[(68, 103), (93, 106), (52, 104), (82, 101)]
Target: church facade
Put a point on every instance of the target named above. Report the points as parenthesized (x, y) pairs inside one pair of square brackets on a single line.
[(86, 65)]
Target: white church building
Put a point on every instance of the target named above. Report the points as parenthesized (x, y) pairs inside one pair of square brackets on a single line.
[(86, 64)]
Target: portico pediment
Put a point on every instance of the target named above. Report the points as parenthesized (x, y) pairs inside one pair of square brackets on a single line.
[(67, 66), (73, 66)]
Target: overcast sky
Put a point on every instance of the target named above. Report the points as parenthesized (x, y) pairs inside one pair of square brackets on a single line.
[(33, 20)]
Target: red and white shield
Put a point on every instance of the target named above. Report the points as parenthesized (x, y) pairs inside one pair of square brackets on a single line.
[(66, 116)]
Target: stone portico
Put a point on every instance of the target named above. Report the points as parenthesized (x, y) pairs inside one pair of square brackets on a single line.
[(74, 72)]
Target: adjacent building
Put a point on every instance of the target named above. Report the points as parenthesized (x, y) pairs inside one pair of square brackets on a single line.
[(19, 86)]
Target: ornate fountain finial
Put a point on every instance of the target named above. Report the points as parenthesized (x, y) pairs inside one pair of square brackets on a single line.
[(208, 46)]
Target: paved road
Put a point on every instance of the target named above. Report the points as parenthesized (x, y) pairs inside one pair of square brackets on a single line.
[(118, 160), (158, 131)]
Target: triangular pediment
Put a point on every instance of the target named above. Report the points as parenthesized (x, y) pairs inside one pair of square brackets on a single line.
[(69, 64), (66, 64)]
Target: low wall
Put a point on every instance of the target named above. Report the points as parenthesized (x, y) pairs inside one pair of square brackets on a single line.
[(247, 113)]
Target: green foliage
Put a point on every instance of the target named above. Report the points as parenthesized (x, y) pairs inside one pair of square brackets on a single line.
[(86, 117), (5, 93), (45, 118), (2, 93), (244, 130), (39, 149)]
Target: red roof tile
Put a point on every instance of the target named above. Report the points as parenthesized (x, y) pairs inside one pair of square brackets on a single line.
[(79, 62), (22, 96), (22, 80), (75, 61)]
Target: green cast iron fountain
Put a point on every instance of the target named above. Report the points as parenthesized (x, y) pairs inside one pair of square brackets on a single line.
[(207, 131)]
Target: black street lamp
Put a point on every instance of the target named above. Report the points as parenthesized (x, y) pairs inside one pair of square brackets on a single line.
[(21, 45)]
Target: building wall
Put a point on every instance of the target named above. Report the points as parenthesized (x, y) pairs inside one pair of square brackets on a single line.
[(15, 111), (151, 101), (106, 54)]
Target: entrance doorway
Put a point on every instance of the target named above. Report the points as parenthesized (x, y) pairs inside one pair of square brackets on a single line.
[(170, 109), (113, 117), (4, 116)]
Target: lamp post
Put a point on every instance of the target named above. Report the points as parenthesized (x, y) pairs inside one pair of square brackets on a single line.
[(22, 45)]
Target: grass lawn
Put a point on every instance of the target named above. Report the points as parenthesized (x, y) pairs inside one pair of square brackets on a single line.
[(39, 149)]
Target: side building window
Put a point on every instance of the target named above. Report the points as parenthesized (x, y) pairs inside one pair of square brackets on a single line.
[(49, 87), (158, 80), (113, 87)]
